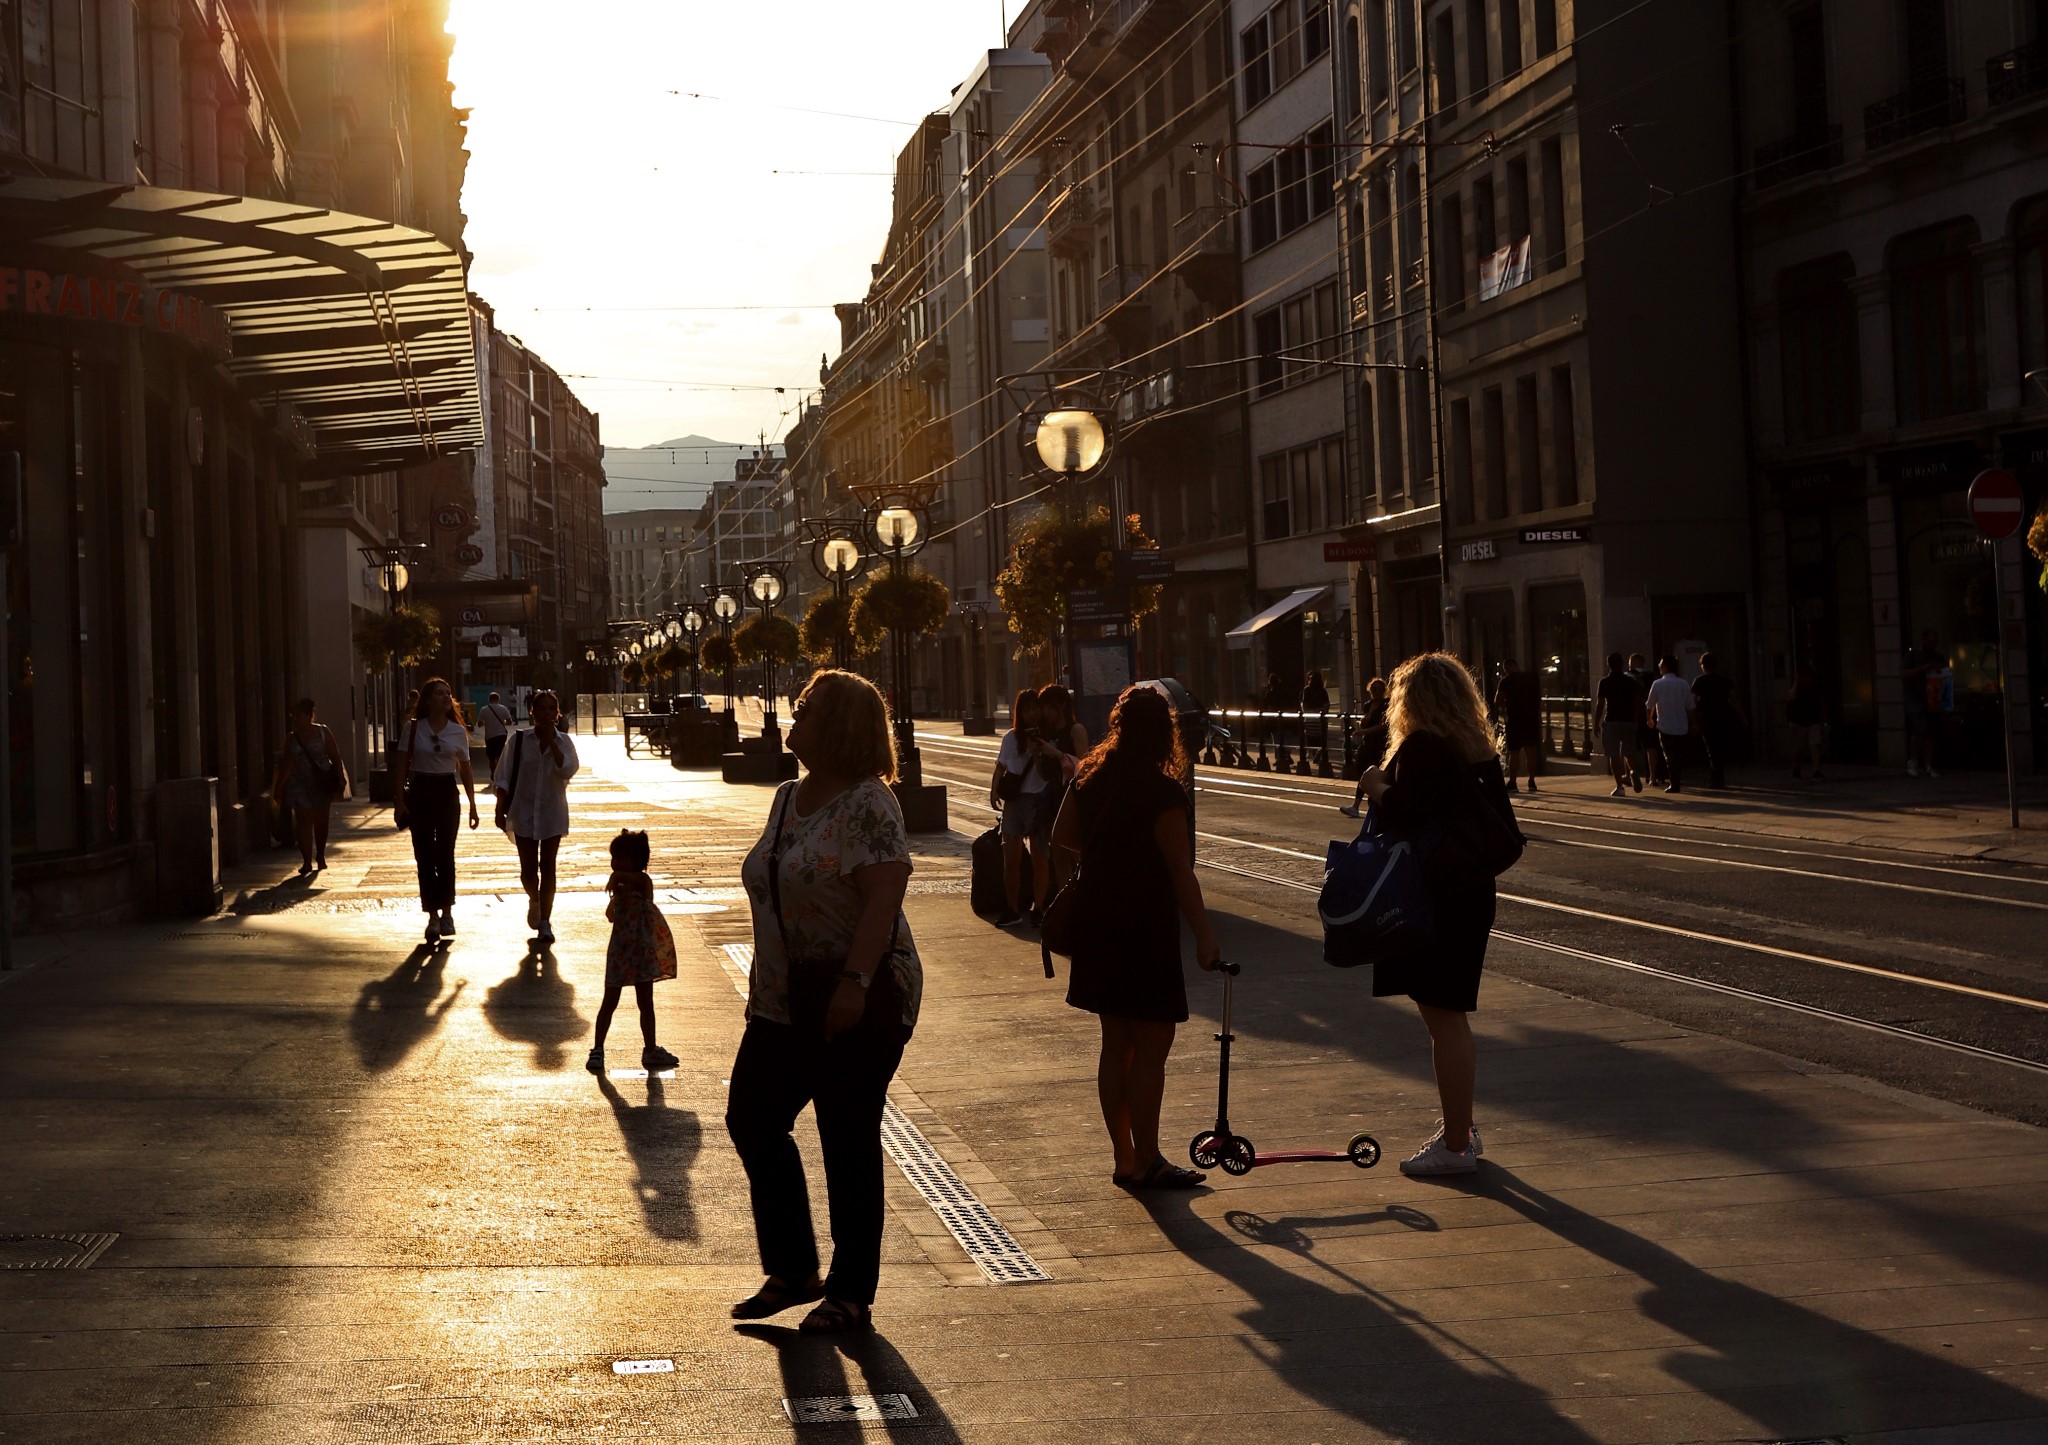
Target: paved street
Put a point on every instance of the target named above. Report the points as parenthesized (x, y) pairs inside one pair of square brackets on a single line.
[(364, 1192)]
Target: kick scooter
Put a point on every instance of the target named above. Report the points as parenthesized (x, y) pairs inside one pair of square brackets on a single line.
[(1235, 1152)]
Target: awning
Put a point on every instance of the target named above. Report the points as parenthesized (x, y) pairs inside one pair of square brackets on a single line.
[(1242, 634), (361, 326)]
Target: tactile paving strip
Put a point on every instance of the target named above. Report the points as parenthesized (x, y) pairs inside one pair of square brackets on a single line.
[(978, 1232)]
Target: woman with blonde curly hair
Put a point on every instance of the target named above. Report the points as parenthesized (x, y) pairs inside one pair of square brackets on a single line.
[(1439, 746)]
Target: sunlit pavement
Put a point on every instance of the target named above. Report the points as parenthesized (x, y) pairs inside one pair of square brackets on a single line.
[(363, 1191)]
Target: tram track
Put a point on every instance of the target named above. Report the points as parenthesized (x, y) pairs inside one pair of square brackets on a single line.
[(1711, 952)]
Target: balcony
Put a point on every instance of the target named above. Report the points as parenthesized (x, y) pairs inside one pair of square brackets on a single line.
[(1205, 253), (2016, 74), (1070, 226), (931, 360), (1138, 26), (1797, 155), (1117, 285), (1925, 106)]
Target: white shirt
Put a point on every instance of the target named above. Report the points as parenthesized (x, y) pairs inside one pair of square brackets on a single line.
[(540, 806), (1018, 759), (496, 718), (1671, 705), (454, 747)]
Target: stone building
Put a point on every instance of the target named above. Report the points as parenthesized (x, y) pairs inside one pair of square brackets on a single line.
[(1554, 467), (1895, 228), (200, 383)]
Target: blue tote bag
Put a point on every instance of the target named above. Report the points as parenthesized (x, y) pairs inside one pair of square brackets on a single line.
[(1373, 905)]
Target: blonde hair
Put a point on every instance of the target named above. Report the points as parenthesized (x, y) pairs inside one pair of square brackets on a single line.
[(850, 723), (1434, 693)]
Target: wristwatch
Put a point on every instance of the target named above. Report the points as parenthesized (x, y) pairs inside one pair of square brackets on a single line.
[(864, 980)]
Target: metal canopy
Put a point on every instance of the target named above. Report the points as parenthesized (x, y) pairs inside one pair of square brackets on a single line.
[(362, 326), (1242, 634)]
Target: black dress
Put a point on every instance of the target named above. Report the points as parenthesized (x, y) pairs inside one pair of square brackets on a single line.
[(1425, 784), (1127, 934)]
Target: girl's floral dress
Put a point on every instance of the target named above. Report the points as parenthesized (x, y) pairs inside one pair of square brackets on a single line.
[(642, 949)]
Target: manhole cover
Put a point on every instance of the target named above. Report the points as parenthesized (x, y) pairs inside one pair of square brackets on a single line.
[(643, 1367), (830, 1409), (52, 1251)]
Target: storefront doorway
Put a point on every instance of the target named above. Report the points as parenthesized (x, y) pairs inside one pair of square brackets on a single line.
[(1948, 588), (1827, 572), (1413, 621), (1557, 629), (1490, 630)]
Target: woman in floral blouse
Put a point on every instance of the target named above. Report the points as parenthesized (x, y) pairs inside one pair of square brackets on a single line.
[(833, 997)]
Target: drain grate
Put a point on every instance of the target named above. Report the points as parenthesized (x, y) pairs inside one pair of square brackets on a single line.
[(214, 935), (831, 1409), (52, 1251), (993, 1249)]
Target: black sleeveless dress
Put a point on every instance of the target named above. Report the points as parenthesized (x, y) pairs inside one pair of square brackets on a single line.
[(1127, 938)]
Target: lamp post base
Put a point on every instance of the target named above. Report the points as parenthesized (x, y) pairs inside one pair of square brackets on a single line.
[(978, 727), (756, 763), (924, 808)]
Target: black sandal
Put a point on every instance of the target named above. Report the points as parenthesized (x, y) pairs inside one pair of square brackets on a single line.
[(774, 1297), (837, 1317), (1160, 1174)]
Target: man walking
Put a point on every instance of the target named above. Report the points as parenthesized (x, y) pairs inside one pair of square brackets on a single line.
[(1518, 704), (1929, 692), (1672, 711), (1648, 760), (1720, 717), (497, 721), (1614, 717)]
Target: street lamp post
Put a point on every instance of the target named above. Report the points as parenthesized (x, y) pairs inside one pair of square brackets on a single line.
[(766, 587), (978, 723), (392, 563), (692, 622), (837, 558), (1069, 437), (897, 528), (725, 607)]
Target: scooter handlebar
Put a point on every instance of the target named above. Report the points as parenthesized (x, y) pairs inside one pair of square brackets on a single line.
[(1229, 968)]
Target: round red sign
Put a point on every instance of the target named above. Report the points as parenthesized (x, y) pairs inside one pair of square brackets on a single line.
[(1995, 504)]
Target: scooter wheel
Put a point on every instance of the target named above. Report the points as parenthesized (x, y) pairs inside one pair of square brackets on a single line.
[(1202, 1149), (1238, 1155), (1364, 1150)]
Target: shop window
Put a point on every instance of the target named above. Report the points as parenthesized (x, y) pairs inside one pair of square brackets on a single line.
[(1557, 625), (1817, 348), (2030, 246), (1937, 323), (1490, 628)]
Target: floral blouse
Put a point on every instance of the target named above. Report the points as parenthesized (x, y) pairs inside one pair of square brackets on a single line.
[(821, 903)]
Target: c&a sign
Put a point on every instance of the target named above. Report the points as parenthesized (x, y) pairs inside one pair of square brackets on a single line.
[(62, 295)]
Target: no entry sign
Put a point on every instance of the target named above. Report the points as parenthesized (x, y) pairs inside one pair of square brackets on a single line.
[(1995, 504)]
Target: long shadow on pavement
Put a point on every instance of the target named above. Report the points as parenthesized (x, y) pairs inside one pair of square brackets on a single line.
[(537, 1006), (1317, 1329), (816, 1365), (664, 1143), (394, 1014)]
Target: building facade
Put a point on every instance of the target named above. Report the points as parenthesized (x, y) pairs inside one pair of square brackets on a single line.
[(204, 415), (1895, 226)]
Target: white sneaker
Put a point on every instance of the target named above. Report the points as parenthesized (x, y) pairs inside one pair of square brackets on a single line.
[(1349, 810), (1478, 1144), (433, 929), (1432, 1158), (447, 923)]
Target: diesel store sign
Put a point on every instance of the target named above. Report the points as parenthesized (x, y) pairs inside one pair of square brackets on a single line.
[(1535, 536)]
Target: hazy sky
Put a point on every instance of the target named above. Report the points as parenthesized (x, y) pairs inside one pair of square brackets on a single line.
[(591, 185)]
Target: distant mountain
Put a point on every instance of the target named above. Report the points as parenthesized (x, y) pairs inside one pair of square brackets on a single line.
[(674, 473)]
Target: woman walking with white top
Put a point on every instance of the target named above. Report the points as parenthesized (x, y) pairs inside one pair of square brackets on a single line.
[(433, 755), (532, 785)]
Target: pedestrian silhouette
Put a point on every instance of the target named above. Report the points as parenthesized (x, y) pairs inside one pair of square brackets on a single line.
[(537, 1006), (664, 1143), (394, 1013)]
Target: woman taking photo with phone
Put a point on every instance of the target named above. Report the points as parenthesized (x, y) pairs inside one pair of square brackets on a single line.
[(432, 756), (1019, 788)]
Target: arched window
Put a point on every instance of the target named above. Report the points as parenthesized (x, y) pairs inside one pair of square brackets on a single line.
[(2030, 263), (1817, 348), (1937, 323), (1354, 92)]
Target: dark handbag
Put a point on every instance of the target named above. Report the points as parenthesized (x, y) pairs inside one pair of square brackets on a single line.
[(334, 778), (1057, 924), (813, 981), (1009, 786), (1477, 836), (1374, 903), (505, 799), (412, 728)]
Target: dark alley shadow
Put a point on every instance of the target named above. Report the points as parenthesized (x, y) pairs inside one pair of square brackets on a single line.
[(1314, 1328), (394, 1013), (816, 1365), (1793, 1371), (664, 1144), (537, 1006)]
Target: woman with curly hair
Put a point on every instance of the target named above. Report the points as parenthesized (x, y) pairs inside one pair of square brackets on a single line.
[(1126, 815), (1439, 745)]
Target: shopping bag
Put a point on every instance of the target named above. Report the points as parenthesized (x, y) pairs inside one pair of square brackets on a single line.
[(1373, 905)]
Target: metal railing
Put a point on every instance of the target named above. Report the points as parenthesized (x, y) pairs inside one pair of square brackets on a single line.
[(1336, 744), (1568, 727), (2016, 74), (1924, 106)]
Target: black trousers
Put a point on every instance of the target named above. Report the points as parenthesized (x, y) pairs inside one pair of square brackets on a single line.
[(433, 807), (1719, 741), (846, 1082), (1674, 747)]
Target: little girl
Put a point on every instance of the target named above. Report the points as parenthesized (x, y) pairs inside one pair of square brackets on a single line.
[(642, 950)]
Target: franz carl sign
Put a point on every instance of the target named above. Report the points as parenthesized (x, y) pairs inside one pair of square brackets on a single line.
[(63, 296)]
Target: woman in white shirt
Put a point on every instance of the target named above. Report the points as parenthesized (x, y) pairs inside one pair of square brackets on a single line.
[(1026, 767), (532, 785), (432, 755)]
